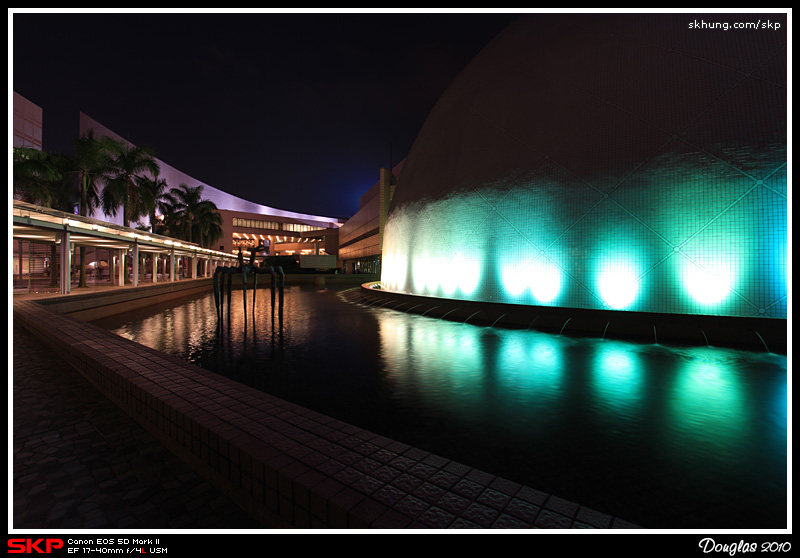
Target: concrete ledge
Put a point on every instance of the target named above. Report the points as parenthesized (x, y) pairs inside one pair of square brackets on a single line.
[(98, 304), (291, 467)]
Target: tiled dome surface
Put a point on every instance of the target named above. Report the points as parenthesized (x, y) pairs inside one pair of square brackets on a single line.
[(596, 161)]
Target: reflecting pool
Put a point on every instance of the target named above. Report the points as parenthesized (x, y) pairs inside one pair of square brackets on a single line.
[(666, 437)]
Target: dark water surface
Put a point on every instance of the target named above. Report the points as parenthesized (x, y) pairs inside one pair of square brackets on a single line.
[(666, 437)]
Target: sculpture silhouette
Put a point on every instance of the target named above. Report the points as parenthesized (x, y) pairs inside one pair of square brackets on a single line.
[(221, 272)]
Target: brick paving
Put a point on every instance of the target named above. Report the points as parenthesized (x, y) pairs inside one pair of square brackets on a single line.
[(81, 463)]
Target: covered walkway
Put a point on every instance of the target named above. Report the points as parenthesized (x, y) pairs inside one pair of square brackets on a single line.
[(50, 247)]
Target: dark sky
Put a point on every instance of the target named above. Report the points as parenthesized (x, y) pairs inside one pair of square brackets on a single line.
[(295, 111)]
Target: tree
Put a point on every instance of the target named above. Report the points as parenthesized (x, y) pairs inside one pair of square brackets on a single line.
[(36, 173), (193, 218), (92, 164), (153, 196), (169, 224), (208, 224), (44, 179), (123, 187)]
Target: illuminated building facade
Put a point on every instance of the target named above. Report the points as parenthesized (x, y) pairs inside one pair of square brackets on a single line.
[(361, 236), (39, 262), (284, 236), (245, 223), (612, 162)]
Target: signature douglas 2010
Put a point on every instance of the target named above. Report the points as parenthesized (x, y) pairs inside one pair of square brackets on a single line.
[(710, 545)]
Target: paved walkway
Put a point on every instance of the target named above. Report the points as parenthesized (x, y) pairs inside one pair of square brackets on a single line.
[(82, 463)]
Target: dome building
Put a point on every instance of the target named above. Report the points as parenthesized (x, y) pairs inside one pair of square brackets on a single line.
[(627, 162)]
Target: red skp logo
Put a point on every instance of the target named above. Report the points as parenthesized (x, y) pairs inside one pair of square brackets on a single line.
[(29, 546)]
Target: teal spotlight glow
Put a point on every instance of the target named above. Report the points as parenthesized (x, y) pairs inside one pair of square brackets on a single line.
[(467, 271), (448, 280), (618, 285), (542, 277), (545, 281), (514, 278), (708, 286), (394, 271), (421, 272)]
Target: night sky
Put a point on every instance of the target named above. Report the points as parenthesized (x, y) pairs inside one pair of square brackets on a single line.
[(294, 111)]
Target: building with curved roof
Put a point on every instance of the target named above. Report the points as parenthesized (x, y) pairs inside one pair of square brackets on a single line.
[(626, 162), (44, 256), (246, 224)]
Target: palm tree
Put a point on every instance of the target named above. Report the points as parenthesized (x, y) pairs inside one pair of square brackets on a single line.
[(35, 173), (169, 211), (209, 224), (92, 164), (153, 196), (44, 179), (123, 188), (196, 219)]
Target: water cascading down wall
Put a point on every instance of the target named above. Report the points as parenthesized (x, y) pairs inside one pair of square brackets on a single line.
[(619, 162)]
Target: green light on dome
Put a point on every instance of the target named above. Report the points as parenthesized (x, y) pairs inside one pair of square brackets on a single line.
[(448, 281), (541, 277), (394, 271), (468, 272), (653, 246), (434, 274), (545, 281), (444, 274), (618, 285), (420, 271), (707, 286), (515, 280)]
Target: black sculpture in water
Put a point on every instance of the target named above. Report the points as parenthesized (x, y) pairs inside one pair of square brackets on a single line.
[(221, 286)]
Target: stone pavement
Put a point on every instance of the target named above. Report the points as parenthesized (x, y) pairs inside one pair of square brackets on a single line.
[(81, 463)]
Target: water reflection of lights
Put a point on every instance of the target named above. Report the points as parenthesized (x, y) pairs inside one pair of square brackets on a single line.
[(531, 401), (529, 363), (708, 405), (618, 377)]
